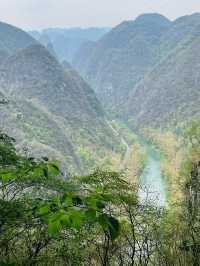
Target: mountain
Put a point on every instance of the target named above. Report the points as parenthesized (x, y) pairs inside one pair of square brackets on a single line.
[(45, 41), (147, 71), (170, 93), (13, 39), (52, 110), (181, 29), (122, 57), (66, 42), (3, 55)]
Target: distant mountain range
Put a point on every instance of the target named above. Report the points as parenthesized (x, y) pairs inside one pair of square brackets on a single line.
[(147, 71), (66, 42), (49, 108)]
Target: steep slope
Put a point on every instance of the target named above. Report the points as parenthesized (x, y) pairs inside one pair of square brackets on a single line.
[(182, 29), (13, 39), (54, 109), (122, 57), (33, 72), (82, 56), (147, 70), (66, 42), (3, 55), (45, 41), (170, 93)]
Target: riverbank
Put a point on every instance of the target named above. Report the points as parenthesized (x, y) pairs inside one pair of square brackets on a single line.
[(142, 163)]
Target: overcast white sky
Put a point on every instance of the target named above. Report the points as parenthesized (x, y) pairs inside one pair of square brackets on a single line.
[(37, 14)]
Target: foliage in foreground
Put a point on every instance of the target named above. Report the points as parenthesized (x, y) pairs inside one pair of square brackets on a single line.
[(89, 220)]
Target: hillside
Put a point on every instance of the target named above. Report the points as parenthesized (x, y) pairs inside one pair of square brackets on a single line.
[(54, 110), (122, 57), (170, 92), (13, 39), (66, 42), (180, 30), (146, 71)]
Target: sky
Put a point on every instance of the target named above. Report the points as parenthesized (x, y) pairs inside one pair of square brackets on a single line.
[(39, 14)]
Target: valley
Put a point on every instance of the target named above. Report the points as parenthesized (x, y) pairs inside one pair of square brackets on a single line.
[(153, 187), (100, 144)]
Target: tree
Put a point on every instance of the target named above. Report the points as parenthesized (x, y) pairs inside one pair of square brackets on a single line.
[(39, 209)]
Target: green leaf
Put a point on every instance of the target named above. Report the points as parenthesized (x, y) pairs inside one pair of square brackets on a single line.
[(67, 198), (114, 227), (90, 215), (53, 168), (54, 227), (44, 210), (92, 202), (65, 220), (7, 176), (110, 224), (76, 219)]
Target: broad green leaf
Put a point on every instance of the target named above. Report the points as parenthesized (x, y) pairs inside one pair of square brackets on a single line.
[(76, 219), (44, 210), (65, 220), (90, 215), (54, 227), (7, 176), (68, 199)]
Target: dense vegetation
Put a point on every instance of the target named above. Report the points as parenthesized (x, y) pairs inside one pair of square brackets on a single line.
[(121, 58), (13, 39), (46, 219), (146, 70)]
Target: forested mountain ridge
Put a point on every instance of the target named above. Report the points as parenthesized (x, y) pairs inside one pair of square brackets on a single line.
[(146, 70), (170, 92), (53, 109), (180, 30), (13, 39), (122, 57)]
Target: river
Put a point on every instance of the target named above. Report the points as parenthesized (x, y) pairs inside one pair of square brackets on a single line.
[(152, 183), (153, 186)]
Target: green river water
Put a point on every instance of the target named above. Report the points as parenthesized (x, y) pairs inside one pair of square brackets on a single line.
[(152, 182)]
